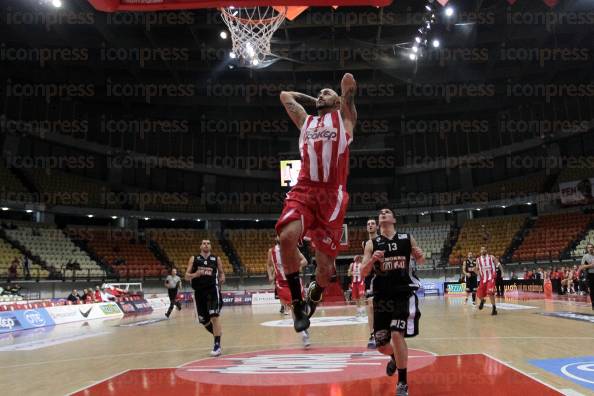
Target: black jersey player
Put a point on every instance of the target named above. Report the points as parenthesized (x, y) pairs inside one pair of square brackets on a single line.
[(395, 303), (372, 234), (468, 268), (205, 271)]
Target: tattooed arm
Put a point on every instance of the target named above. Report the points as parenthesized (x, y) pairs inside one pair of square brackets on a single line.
[(348, 87), (295, 110)]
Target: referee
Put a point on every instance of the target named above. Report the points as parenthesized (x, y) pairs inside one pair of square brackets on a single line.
[(173, 284), (588, 266)]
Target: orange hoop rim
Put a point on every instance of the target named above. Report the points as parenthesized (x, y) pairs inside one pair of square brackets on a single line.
[(266, 21)]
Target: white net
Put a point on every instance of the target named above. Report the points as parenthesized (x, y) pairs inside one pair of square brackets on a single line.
[(251, 30)]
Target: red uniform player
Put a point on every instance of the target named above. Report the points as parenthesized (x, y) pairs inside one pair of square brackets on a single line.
[(486, 265), (315, 207)]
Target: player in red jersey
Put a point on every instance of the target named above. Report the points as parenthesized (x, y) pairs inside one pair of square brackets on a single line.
[(357, 285), (486, 267), (276, 273), (316, 205)]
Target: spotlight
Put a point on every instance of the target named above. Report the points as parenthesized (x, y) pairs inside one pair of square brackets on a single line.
[(231, 67), (223, 35), (114, 217), (197, 219), (418, 39), (57, 3), (232, 55), (428, 26), (28, 211), (255, 62), (449, 11), (427, 7), (90, 216), (172, 219), (147, 218), (412, 56), (415, 49), (435, 43), (257, 220), (4, 209)]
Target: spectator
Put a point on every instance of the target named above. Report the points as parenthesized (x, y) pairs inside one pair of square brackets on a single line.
[(98, 297), (12, 270), (513, 276), (73, 297), (26, 272)]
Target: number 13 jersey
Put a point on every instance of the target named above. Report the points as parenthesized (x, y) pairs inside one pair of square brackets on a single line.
[(394, 274)]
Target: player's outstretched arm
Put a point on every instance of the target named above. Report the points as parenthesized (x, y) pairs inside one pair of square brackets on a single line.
[(348, 89), (368, 259), (291, 101), (417, 252), (190, 275)]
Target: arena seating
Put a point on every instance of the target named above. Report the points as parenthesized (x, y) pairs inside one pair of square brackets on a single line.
[(60, 188), (431, 237), (180, 244), (251, 245), (7, 255), (53, 247), (580, 249), (551, 235), (496, 233), (119, 250)]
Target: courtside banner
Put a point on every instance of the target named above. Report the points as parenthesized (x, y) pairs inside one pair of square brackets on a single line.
[(24, 320), (263, 298), (236, 298), (138, 306), (454, 288), (76, 313), (523, 285)]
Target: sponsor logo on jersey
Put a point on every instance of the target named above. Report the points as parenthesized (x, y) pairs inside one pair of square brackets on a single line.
[(323, 134), (402, 236)]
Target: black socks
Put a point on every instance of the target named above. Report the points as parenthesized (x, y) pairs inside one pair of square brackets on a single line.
[(295, 286)]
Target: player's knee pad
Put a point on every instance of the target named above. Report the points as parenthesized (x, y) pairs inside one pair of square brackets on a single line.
[(382, 337)]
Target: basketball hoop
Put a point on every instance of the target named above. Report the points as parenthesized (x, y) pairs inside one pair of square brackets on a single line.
[(251, 30)]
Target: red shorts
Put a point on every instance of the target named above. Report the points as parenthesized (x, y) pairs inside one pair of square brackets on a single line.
[(357, 290), (486, 288), (321, 211), (284, 292)]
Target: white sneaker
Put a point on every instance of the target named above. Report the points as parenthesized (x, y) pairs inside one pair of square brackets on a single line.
[(306, 342), (216, 351)]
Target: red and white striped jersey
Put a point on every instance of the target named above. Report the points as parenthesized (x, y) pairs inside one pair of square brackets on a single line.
[(277, 261), (324, 148), (356, 271), (486, 266)]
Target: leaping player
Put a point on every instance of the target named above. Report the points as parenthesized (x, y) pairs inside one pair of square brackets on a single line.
[(486, 268), (357, 285), (276, 272), (395, 303), (316, 205)]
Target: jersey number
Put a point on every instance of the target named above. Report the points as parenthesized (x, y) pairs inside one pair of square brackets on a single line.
[(392, 247), (398, 324)]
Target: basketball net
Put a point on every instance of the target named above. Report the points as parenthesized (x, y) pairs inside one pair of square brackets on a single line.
[(251, 30)]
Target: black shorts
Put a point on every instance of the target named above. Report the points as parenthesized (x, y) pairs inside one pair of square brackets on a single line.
[(208, 303), (471, 283), (399, 312)]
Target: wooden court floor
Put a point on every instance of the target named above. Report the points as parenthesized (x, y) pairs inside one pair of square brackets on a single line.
[(471, 345)]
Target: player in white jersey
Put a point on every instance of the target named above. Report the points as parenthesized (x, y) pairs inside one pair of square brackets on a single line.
[(357, 285), (486, 268), (276, 274)]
